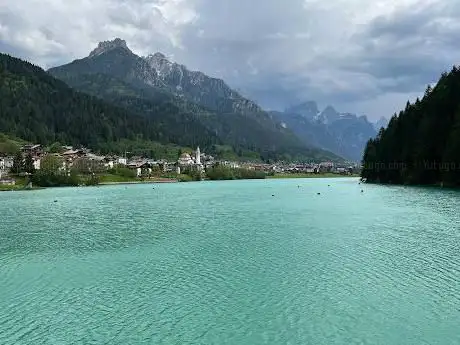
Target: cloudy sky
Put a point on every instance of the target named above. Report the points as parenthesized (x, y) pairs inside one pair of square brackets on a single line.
[(363, 56)]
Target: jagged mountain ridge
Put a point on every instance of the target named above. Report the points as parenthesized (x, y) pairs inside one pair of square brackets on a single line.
[(344, 134), (382, 122), (157, 71), (116, 74)]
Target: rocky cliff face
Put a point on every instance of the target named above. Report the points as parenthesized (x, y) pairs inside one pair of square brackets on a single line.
[(116, 59), (308, 110), (210, 92), (106, 46), (344, 134), (152, 84)]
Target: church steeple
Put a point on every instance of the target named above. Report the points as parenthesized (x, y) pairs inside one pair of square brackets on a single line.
[(198, 156)]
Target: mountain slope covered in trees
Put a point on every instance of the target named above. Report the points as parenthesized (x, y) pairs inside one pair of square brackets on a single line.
[(117, 75), (421, 145), (39, 108)]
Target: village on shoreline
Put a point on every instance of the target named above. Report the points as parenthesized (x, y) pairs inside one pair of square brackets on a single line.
[(34, 159)]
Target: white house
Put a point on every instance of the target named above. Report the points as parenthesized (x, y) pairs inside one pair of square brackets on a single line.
[(6, 163), (37, 163), (140, 166), (7, 182), (233, 165)]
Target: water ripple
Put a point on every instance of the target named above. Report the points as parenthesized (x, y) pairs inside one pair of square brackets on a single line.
[(227, 263)]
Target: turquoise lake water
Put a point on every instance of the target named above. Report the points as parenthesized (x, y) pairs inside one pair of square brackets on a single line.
[(228, 263)]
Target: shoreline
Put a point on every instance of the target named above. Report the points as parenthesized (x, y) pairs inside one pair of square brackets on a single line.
[(312, 175), (137, 182), (18, 188), (438, 185)]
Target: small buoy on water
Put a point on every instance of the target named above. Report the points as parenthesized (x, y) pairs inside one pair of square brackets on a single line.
[(273, 194), (362, 191)]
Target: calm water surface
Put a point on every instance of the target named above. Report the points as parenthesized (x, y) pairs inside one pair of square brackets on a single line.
[(228, 263)]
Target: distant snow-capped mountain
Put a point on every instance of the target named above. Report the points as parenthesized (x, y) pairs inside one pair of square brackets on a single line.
[(344, 134)]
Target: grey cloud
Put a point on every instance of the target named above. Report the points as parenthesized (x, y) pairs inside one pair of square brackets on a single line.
[(277, 52), (410, 48)]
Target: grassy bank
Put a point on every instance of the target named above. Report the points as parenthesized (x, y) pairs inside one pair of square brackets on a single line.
[(110, 179), (4, 188), (20, 185)]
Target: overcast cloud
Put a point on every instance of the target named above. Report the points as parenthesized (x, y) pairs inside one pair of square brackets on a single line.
[(361, 56)]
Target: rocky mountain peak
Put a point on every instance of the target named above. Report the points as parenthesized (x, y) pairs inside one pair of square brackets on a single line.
[(329, 109), (329, 114), (382, 122), (162, 65), (307, 109), (106, 46), (157, 56), (158, 71)]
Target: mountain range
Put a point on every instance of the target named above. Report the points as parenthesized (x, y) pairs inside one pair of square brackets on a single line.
[(114, 100), (345, 134), (176, 106), (155, 72), (117, 75)]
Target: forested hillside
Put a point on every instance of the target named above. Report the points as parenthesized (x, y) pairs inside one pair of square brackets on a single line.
[(118, 76), (421, 145), (39, 108), (9, 145)]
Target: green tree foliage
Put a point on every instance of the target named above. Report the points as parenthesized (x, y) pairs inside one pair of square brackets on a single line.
[(55, 148), (51, 164), (8, 145), (53, 174), (123, 172), (421, 145), (85, 165), (195, 174), (42, 179), (29, 164), (18, 163), (39, 108), (221, 172)]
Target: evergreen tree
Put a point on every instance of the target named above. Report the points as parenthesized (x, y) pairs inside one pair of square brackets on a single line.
[(422, 144), (18, 163), (29, 164)]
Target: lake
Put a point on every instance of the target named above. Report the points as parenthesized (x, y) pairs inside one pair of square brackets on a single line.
[(237, 262)]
